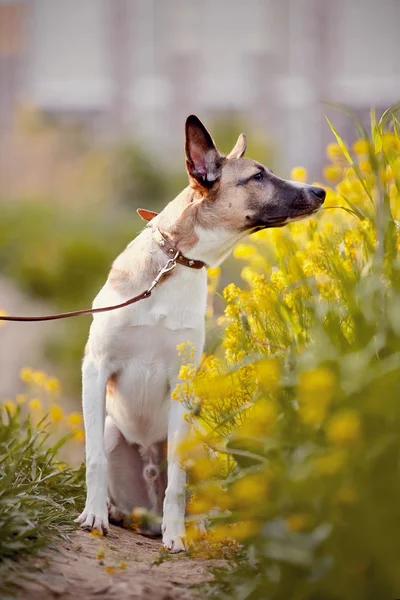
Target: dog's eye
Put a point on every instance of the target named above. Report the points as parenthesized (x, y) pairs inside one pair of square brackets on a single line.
[(258, 176)]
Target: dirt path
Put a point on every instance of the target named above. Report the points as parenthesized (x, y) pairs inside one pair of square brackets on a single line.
[(121, 566)]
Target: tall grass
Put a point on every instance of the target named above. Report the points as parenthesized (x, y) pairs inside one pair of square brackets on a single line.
[(295, 444)]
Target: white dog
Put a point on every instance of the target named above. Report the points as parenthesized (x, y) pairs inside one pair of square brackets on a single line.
[(131, 365)]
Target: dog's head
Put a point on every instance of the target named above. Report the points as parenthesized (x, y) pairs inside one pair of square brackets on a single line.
[(239, 193)]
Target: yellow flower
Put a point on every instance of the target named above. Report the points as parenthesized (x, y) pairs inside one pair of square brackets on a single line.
[(111, 570), (187, 372), (390, 142), (298, 522), (198, 505), (261, 421), (361, 147), (213, 272), (21, 398), (79, 436), (365, 166), (204, 468), (243, 530), (343, 427), (39, 378), (96, 533), (100, 554), (35, 404), (53, 386), (331, 462), (74, 419), (10, 406), (253, 486), (315, 391), (25, 374), (333, 173), (299, 174), (56, 413), (244, 251), (123, 565), (333, 152), (267, 372)]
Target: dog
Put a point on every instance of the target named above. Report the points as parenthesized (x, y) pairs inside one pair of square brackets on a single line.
[(131, 365)]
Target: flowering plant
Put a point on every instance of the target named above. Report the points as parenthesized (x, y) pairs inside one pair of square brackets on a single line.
[(294, 446)]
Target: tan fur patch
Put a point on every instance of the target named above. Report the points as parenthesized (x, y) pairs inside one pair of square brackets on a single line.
[(120, 281), (112, 385)]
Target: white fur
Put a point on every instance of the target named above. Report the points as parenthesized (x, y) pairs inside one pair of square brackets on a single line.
[(139, 344)]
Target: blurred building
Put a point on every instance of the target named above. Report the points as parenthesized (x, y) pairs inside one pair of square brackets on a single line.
[(140, 66)]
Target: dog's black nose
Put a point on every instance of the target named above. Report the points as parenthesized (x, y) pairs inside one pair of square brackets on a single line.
[(319, 192)]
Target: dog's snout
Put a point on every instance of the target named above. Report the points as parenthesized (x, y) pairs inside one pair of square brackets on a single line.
[(319, 192)]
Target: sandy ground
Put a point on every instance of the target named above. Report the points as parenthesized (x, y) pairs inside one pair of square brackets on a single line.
[(89, 567)]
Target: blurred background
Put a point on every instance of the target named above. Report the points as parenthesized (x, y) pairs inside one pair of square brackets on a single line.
[(93, 98)]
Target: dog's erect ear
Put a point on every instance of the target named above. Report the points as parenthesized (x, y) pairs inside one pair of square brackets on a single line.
[(203, 161), (240, 147), (146, 215)]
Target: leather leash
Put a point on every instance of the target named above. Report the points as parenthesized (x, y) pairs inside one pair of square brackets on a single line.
[(165, 245)]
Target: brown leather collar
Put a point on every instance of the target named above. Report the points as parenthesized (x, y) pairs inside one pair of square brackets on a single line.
[(167, 246)]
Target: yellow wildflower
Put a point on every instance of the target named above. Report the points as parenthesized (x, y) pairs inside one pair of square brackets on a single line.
[(261, 421), (331, 462), (96, 533), (334, 152), (333, 173), (10, 406), (213, 272), (299, 174), (56, 413), (298, 522), (243, 530), (390, 142), (25, 374), (187, 372), (315, 391), (111, 570), (74, 419), (39, 378), (100, 554), (35, 404), (21, 398), (53, 385), (267, 372), (343, 427), (365, 166), (79, 436), (361, 147), (253, 486), (244, 251)]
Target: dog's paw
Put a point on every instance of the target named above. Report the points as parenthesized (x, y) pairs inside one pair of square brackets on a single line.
[(173, 543), (90, 519)]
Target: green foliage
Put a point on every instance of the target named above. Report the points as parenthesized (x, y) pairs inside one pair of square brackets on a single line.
[(306, 398), (39, 496)]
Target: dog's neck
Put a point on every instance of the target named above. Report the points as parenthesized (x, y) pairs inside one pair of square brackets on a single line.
[(179, 221)]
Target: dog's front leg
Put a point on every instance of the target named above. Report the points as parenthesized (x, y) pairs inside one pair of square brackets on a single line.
[(173, 527), (95, 514)]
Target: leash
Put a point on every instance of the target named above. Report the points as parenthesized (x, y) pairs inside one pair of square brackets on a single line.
[(174, 257), (167, 268)]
